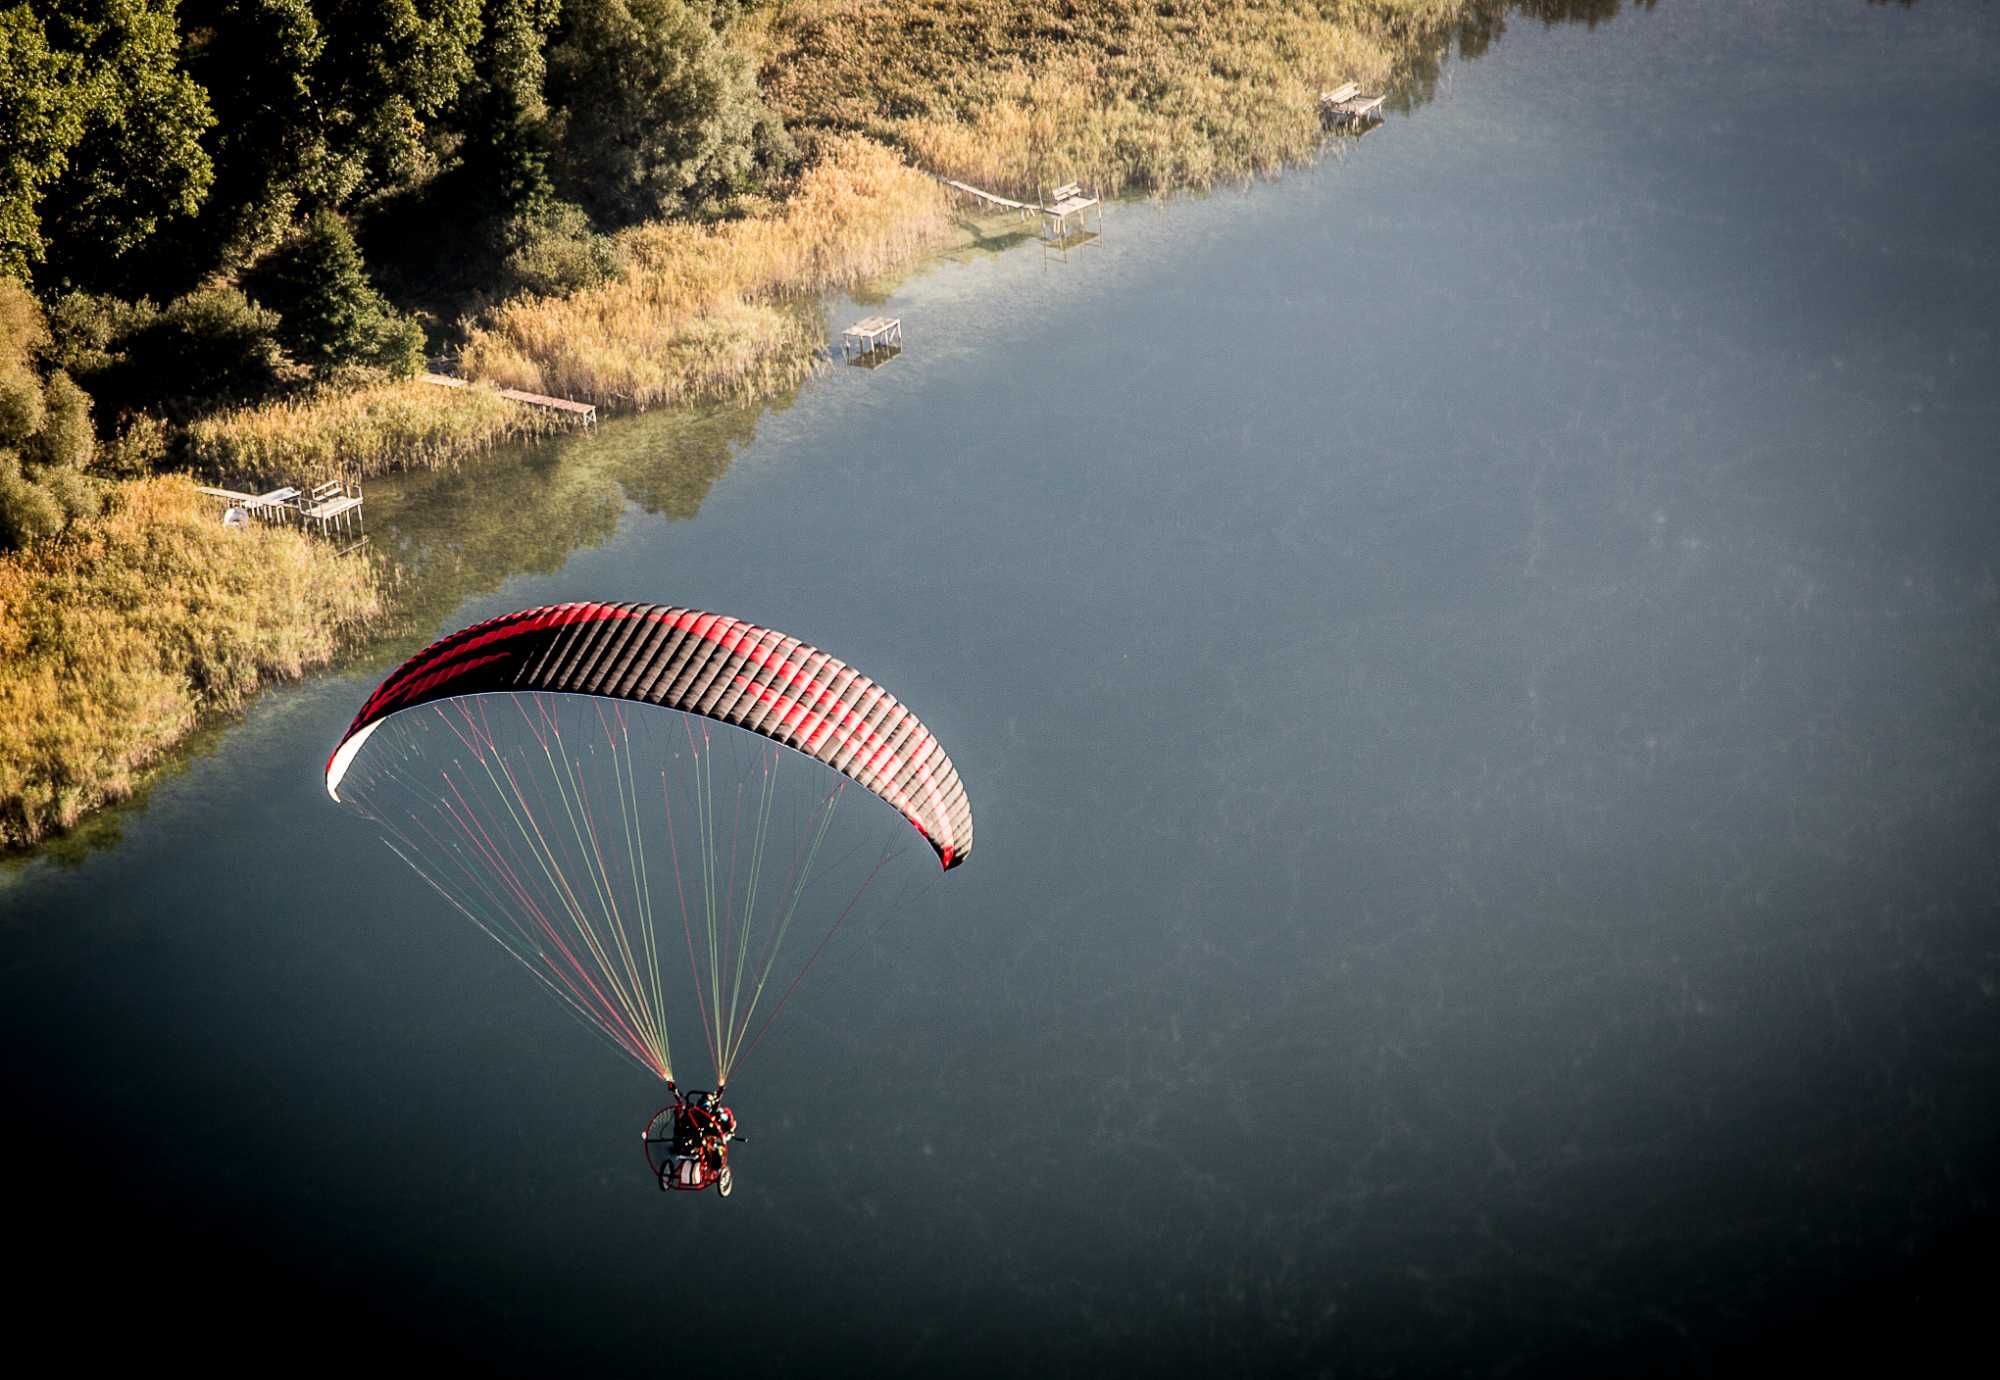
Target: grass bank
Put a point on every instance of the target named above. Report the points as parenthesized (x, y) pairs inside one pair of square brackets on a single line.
[(1001, 93), (1006, 94), (1017, 95), (377, 429), (122, 635), (713, 313), (698, 313)]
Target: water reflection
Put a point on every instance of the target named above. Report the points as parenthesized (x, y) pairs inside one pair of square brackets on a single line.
[(451, 536), (447, 537), (1479, 26), (875, 358)]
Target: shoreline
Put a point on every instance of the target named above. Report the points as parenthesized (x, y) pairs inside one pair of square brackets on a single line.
[(125, 637), (700, 315)]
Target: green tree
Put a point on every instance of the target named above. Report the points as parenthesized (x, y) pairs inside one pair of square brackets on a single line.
[(504, 113), (331, 316), (46, 438), (389, 69), (42, 109), (210, 348), (321, 104), (258, 60), (139, 162), (551, 250), (655, 114)]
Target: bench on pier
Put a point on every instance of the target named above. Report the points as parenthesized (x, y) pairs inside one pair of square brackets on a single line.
[(1345, 106), (331, 505), (1063, 223), (1062, 217), (1066, 201)]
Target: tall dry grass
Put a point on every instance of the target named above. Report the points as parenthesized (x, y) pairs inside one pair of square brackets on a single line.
[(376, 429), (117, 638), (1016, 96), (714, 312), (1010, 95)]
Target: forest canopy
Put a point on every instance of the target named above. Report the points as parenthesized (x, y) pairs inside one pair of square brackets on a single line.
[(152, 143), (205, 203)]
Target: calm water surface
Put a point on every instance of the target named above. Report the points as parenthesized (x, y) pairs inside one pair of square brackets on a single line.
[(1476, 664)]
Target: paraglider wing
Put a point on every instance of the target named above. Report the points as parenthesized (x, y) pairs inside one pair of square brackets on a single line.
[(699, 663)]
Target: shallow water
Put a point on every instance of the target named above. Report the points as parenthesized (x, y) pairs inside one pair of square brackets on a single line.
[(1475, 665)]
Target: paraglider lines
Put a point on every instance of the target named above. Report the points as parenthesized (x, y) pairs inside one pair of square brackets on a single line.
[(624, 1019), (616, 1024), (825, 939), (537, 828), (680, 890)]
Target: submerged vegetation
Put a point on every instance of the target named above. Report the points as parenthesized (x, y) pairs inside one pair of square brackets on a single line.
[(120, 636)]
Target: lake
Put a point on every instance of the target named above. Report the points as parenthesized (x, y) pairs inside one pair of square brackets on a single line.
[(1475, 665)]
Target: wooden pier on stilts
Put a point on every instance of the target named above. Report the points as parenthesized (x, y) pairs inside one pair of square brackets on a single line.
[(993, 199), (585, 414), (274, 505), (1064, 222), (1346, 107), (1062, 212), (334, 507), (872, 341)]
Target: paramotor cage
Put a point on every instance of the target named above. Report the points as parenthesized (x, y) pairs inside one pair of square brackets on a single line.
[(683, 1159)]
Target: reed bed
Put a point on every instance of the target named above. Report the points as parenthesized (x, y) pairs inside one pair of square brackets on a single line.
[(122, 635), (377, 429), (1127, 95), (719, 312)]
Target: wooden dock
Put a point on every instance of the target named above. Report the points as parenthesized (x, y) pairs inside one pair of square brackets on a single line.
[(872, 340), (1065, 202), (271, 507), (334, 506), (990, 198), (1345, 107), (1063, 223), (1061, 211), (585, 413)]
